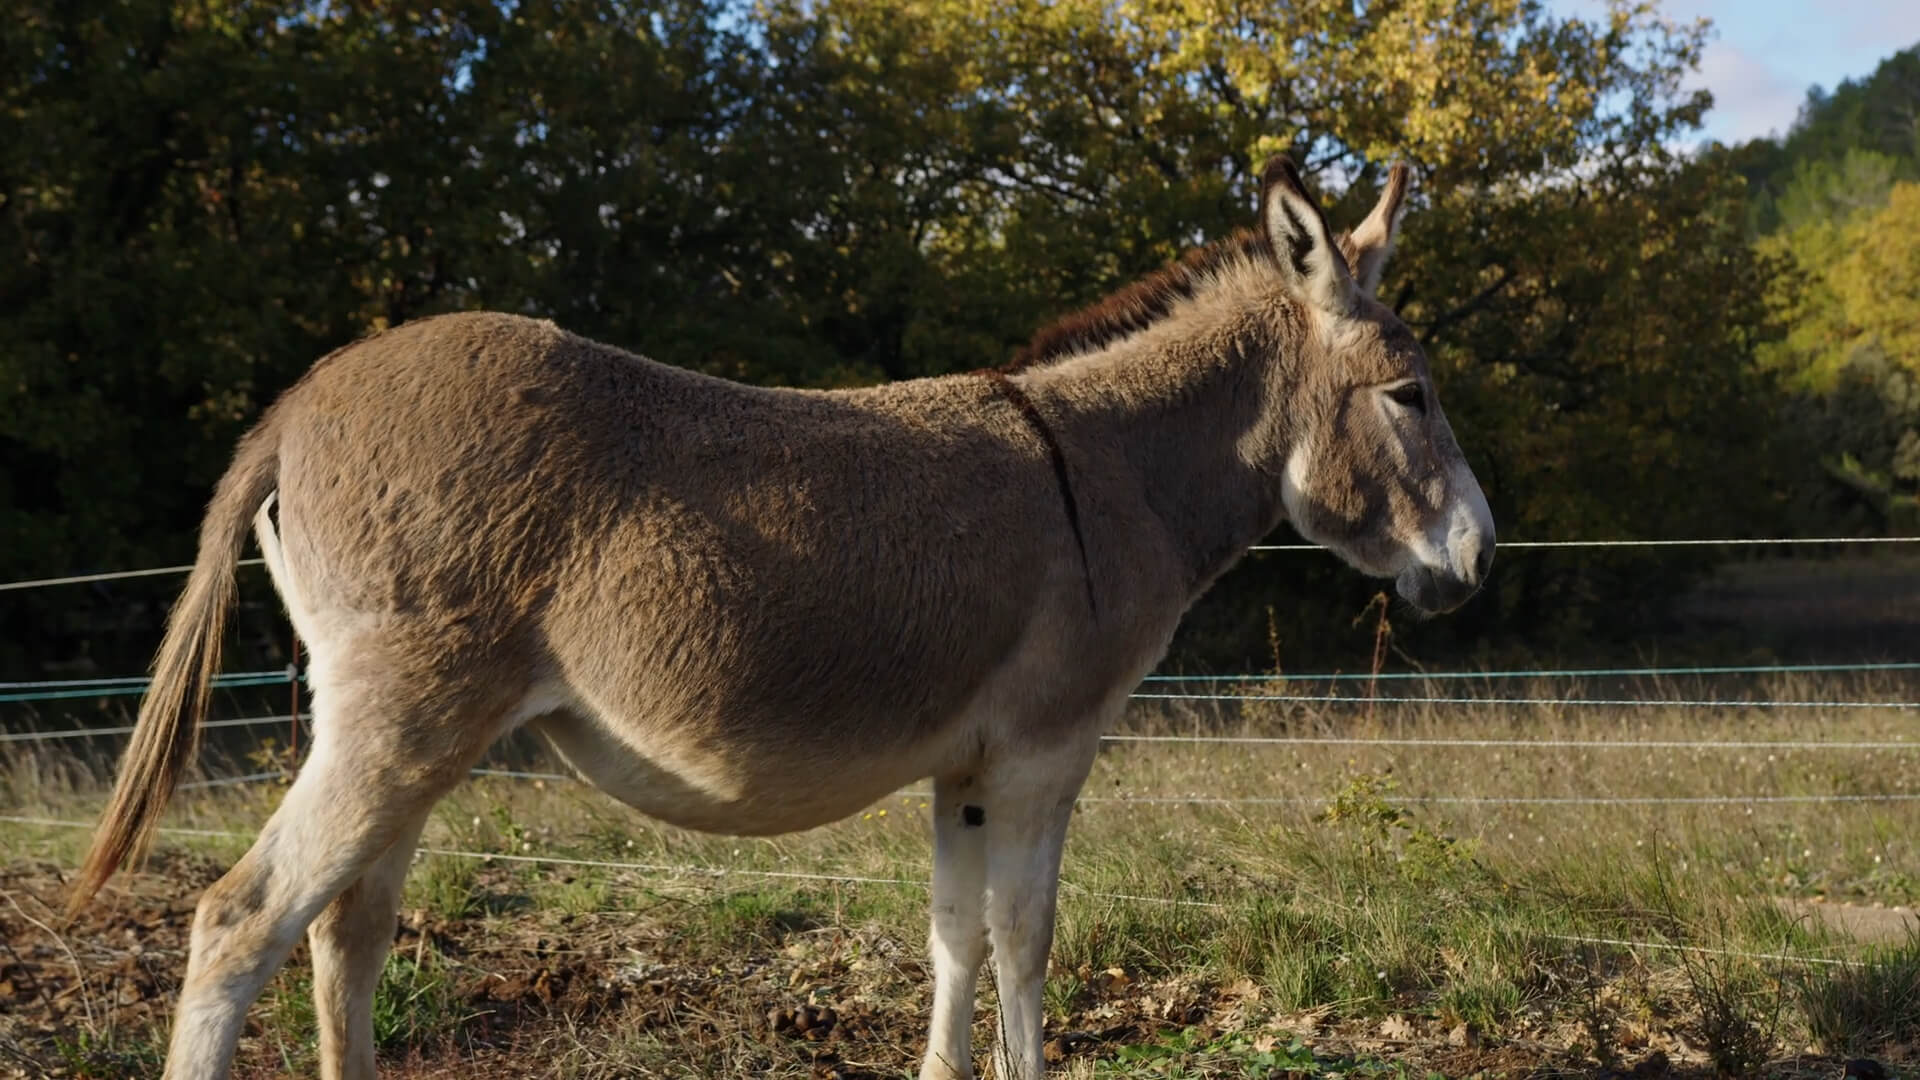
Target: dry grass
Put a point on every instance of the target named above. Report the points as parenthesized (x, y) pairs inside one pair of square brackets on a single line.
[(1345, 907)]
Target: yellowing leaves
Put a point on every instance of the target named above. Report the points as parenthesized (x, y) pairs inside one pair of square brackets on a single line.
[(1486, 83), (1858, 283), (1879, 279)]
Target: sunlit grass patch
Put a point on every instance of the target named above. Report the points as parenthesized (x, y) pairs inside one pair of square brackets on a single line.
[(1334, 880)]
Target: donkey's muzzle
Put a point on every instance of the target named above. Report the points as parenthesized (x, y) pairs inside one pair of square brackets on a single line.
[(1438, 591), (1435, 592)]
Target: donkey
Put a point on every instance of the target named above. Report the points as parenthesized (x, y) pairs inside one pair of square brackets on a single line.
[(706, 596)]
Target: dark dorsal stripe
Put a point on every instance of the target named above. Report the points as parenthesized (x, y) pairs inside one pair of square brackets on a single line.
[(1139, 305), (999, 378)]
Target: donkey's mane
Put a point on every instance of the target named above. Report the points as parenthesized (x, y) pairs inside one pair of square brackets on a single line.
[(1145, 302)]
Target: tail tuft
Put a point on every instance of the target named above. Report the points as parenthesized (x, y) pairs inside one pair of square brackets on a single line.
[(167, 735)]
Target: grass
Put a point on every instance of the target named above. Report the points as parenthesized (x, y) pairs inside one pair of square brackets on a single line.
[(87, 1055), (1350, 903), (414, 1004), (1865, 1007), (1190, 1053)]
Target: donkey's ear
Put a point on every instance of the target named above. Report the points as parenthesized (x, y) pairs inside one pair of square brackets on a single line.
[(1302, 245), (1367, 247)]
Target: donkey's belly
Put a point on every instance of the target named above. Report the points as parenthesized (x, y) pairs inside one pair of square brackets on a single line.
[(741, 790)]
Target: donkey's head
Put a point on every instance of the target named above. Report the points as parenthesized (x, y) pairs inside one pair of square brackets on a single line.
[(1372, 470)]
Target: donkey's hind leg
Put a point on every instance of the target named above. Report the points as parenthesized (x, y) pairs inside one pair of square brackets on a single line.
[(384, 751), (349, 941)]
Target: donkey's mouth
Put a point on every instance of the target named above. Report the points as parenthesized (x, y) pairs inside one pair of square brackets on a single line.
[(1434, 593)]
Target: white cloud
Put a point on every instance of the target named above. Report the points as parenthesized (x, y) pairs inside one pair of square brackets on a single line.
[(1878, 26), (1762, 55), (1750, 98)]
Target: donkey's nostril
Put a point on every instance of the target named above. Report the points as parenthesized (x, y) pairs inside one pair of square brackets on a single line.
[(1482, 563)]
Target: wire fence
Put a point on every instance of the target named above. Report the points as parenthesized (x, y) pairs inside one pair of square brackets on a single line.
[(1774, 745), (1702, 950), (713, 875), (135, 685), (1729, 541), (120, 685), (1270, 801), (1542, 673), (111, 575), (128, 688), (1535, 702), (105, 687), (1506, 545), (709, 873), (127, 729)]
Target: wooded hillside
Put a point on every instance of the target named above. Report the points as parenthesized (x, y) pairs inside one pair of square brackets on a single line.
[(201, 198)]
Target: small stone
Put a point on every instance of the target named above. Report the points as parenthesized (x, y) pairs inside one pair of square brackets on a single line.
[(1865, 1069)]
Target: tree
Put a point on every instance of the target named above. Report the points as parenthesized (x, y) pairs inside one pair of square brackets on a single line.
[(1853, 350), (829, 193), (1850, 143)]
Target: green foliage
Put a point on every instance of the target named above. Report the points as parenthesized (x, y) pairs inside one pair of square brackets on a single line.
[(1835, 206), (1864, 1007), (112, 1055), (445, 886), (1854, 354), (1863, 134), (416, 1004), (1389, 830), (832, 194), (1175, 1054), (1824, 190), (1191, 1053), (756, 917)]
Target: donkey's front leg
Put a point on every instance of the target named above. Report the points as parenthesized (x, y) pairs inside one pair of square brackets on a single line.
[(1026, 823), (959, 936)]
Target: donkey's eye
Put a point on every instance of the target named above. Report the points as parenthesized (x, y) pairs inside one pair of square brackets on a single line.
[(1409, 396)]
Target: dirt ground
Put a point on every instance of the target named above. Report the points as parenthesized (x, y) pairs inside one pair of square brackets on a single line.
[(1878, 925), (531, 994)]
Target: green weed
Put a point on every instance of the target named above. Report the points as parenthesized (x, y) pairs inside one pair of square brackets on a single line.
[(1867, 1006)]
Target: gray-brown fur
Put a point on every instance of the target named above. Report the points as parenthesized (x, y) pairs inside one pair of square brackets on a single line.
[(707, 596)]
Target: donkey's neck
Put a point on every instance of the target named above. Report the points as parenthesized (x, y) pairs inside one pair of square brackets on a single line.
[(1191, 410)]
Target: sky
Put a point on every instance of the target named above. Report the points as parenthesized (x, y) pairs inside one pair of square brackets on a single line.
[(1762, 55)]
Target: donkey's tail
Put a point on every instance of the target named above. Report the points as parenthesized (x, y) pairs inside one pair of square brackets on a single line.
[(167, 735)]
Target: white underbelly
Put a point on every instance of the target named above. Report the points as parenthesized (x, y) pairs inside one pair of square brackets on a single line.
[(741, 791)]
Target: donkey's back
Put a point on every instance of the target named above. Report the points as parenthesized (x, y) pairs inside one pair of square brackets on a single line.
[(705, 594)]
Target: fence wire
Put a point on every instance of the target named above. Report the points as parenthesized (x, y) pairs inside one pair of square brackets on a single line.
[(43, 690), (1775, 745), (125, 684), (1508, 545), (714, 874), (1298, 800)]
